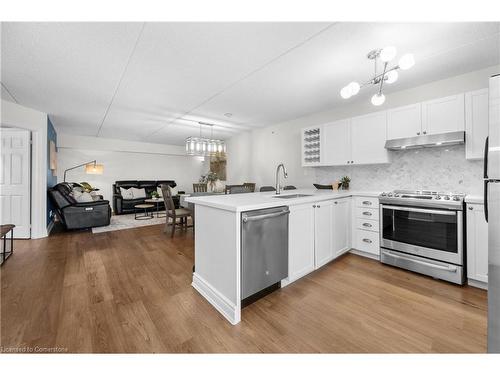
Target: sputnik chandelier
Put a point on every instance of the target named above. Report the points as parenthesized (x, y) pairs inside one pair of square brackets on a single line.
[(388, 75)]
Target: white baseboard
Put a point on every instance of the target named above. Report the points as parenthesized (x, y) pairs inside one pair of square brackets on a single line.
[(366, 255), (228, 309), (477, 284)]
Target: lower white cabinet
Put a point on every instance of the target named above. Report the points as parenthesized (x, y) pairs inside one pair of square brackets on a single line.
[(477, 243), (317, 233), (365, 224)]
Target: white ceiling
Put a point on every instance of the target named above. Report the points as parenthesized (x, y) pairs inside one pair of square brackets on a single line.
[(152, 82)]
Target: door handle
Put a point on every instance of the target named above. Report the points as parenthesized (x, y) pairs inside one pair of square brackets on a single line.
[(368, 225), (367, 213), (246, 219), (432, 265), (367, 240), (367, 203)]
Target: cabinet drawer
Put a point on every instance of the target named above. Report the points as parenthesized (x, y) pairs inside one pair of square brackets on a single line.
[(366, 224), (366, 202), (366, 213), (367, 241)]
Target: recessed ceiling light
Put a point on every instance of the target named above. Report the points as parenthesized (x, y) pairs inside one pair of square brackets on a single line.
[(228, 114)]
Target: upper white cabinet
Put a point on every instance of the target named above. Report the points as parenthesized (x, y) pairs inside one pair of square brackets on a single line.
[(443, 115), (476, 123), (337, 143), (403, 122), (368, 136), (477, 243)]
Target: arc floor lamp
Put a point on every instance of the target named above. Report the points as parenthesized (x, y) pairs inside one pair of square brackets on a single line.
[(91, 167)]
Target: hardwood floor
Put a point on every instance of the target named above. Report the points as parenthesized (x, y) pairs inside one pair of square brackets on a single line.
[(129, 291)]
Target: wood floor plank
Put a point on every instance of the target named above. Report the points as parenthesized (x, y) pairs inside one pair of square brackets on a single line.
[(130, 291)]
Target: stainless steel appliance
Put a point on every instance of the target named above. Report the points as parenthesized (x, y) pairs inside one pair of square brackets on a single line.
[(422, 231), (264, 251), (492, 213)]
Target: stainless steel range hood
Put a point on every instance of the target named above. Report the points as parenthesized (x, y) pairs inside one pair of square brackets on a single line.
[(421, 141)]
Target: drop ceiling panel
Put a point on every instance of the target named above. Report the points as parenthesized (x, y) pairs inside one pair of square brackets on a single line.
[(309, 78), (69, 70)]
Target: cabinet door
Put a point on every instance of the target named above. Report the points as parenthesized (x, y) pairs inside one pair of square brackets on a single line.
[(337, 143), (477, 243), (368, 136), (341, 226), (404, 121), (300, 241), (323, 224), (443, 115), (476, 123)]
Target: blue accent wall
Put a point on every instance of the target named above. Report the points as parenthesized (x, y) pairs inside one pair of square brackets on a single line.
[(51, 179)]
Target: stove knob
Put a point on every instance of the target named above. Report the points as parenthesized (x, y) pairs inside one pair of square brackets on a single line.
[(389, 195), (384, 194), (456, 198), (396, 195), (447, 197), (438, 197)]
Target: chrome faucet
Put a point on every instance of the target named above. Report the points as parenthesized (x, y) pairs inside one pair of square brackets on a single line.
[(278, 187)]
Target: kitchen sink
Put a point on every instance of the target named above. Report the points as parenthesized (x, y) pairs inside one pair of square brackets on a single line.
[(290, 196)]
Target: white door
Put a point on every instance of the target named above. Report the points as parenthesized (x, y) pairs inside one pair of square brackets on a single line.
[(337, 143), (404, 121), (368, 136), (300, 241), (341, 226), (477, 243), (476, 123), (323, 224), (15, 180), (443, 115)]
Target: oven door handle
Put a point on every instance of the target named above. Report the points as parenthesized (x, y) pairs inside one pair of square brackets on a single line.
[(423, 210), (449, 268)]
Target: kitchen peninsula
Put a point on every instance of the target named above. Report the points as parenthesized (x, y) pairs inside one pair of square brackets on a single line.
[(321, 225)]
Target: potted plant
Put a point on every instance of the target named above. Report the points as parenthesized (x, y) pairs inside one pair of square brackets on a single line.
[(155, 195), (344, 182), (210, 178)]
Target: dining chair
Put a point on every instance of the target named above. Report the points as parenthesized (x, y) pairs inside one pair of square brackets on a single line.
[(289, 187), (200, 188), (267, 188), (236, 189), (174, 213), (250, 186)]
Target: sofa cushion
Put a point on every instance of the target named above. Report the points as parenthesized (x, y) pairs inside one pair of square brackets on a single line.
[(127, 193), (138, 193)]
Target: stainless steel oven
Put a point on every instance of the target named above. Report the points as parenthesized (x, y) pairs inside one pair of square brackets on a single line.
[(423, 234)]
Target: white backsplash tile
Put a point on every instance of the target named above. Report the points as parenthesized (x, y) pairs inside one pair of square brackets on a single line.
[(442, 169)]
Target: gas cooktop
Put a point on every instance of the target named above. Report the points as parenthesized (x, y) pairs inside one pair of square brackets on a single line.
[(423, 198)]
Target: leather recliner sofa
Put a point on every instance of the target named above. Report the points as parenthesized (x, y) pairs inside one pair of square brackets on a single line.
[(125, 206), (74, 215)]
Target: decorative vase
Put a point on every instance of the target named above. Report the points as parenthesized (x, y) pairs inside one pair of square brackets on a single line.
[(211, 186)]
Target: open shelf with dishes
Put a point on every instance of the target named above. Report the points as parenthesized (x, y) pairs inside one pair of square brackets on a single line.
[(311, 146)]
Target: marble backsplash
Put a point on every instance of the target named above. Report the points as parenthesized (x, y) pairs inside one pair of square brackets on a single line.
[(442, 169)]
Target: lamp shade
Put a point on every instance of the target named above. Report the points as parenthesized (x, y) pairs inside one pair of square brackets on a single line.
[(94, 168)]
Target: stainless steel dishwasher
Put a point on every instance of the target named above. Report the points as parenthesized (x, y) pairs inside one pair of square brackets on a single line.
[(264, 251)]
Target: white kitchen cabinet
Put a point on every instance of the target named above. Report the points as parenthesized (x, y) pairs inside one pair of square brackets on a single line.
[(323, 233), (403, 122), (365, 226), (477, 243), (300, 241), (337, 143), (476, 123), (443, 115), (341, 226), (368, 136)]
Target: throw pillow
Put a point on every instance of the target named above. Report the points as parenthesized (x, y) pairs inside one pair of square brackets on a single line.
[(160, 193), (76, 193), (126, 193), (84, 197), (174, 191), (138, 193)]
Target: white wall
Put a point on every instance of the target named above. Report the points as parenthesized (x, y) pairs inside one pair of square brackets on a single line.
[(125, 160), (17, 116), (268, 146)]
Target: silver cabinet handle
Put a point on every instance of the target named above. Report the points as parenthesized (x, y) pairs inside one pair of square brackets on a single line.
[(367, 213), (318, 206), (425, 132), (246, 219), (352, 161), (367, 225), (471, 208), (314, 206), (367, 240), (336, 202), (449, 268), (367, 203)]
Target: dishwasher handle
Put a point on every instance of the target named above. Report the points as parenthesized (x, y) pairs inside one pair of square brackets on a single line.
[(265, 216)]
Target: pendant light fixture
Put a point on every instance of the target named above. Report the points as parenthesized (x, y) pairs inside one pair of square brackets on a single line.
[(200, 146), (389, 74)]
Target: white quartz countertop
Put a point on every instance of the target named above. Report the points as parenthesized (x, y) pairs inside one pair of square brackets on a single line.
[(256, 201), (478, 199)]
